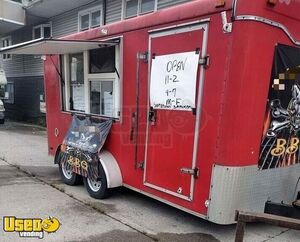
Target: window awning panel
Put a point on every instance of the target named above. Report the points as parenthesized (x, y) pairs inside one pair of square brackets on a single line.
[(54, 47)]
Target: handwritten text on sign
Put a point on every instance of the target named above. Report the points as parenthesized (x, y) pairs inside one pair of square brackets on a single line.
[(173, 81)]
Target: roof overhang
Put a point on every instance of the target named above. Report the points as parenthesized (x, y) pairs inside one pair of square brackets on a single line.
[(55, 47), (12, 16), (7, 26), (48, 9)]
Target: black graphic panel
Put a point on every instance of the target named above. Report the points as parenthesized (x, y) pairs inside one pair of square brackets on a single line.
[(280, 142)]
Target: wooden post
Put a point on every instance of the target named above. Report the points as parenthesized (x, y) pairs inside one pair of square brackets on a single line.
[(247, 217), (240, 230)]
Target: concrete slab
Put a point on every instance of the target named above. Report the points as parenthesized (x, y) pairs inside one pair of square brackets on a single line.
[(129, 208), (26, 197)]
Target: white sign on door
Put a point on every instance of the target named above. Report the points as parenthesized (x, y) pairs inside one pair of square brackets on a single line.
[(173, 81)]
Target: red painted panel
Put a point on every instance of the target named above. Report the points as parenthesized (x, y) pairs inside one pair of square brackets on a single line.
[(289, 8), (119, 143), (285, 12), (246, 93), (171, 138), (235, 91)]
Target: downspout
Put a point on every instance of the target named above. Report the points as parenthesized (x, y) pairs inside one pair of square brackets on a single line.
[(104, 11)]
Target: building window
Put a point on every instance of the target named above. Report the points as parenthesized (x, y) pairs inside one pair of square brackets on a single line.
[(5, 43), (132, 8), (90, 18), (9, 96), (91, 82), (42, 31)]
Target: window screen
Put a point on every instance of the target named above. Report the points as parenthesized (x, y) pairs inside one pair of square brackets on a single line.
[(147, 6), (37, 33), (102, 60), (76, 82), (84, 21), (131, 8), (47, 32), (76, 68), (101, 97), (96, 16)]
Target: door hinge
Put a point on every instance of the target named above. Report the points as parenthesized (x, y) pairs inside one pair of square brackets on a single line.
[(189, 171), (227, 27), (204, 61)]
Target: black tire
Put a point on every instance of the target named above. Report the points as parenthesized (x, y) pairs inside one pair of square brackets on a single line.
[(97, 189), (67, 176), (2, 121)]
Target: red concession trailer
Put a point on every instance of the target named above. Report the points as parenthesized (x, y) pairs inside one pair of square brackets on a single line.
[(204, 98)]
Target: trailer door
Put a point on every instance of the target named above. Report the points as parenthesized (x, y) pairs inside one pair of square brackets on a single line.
[(175, 90)]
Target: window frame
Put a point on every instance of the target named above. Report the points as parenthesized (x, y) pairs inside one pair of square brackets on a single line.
[(102, 80), (89, 12), (6, 57), (88, 77), (41, 27), (139, 8)]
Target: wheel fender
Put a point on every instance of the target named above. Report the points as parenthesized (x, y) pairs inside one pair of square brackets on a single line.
[(56, 154), (111, 169)]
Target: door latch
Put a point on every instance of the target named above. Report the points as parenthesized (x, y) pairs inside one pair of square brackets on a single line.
[(152, 116), (189, 171), (204, 61)]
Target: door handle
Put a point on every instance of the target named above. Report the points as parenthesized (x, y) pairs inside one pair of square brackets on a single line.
[(189, 171)]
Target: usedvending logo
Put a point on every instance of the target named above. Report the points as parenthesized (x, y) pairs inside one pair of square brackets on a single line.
[(30, 227)]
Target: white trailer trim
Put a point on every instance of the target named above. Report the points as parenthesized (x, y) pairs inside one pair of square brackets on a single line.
[(55, 46), (187, 27)]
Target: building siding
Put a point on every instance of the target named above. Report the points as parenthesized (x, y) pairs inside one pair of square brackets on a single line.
[(113, 11), (67, 23), (62, 25), (26, 71), (20, 65), (167, 3)]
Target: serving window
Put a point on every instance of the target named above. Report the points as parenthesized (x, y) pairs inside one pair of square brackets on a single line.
[(101, 97), (91, 82), (102, 60)]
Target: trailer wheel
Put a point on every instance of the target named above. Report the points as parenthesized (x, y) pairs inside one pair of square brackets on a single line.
[(67, 175), (97, 189)]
